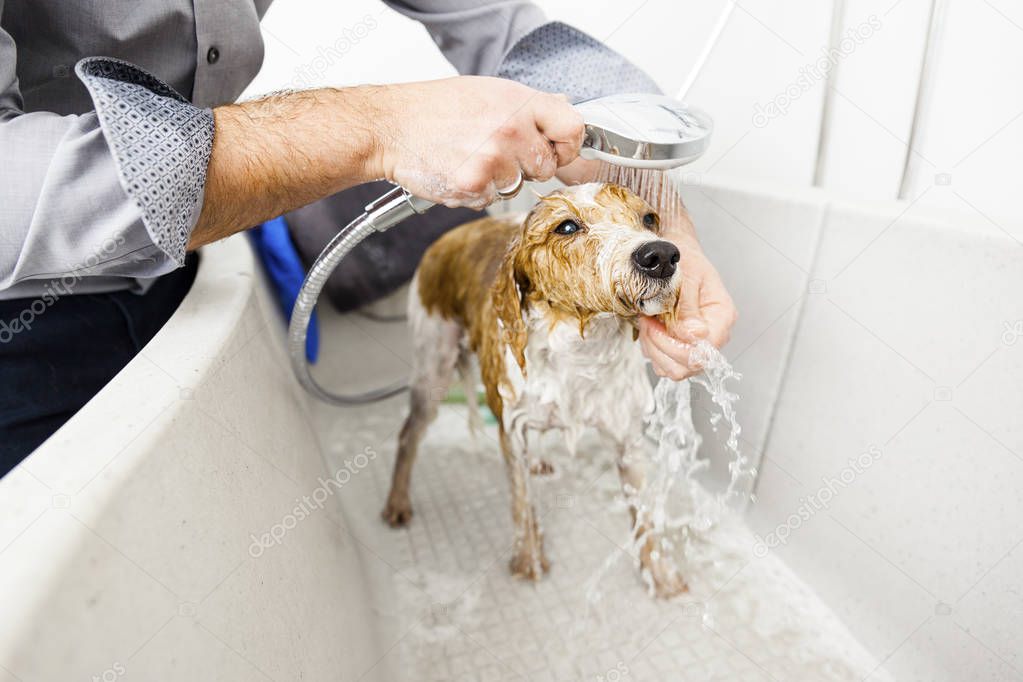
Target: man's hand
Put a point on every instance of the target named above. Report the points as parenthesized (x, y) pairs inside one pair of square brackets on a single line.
[(704, 310), (458, 141), (455, 141)]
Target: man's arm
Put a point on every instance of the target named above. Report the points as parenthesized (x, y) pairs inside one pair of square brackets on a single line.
[(453, 141), (278, 153)]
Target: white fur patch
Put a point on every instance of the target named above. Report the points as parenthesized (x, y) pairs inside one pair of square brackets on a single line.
[(572, 382), (435, 343)]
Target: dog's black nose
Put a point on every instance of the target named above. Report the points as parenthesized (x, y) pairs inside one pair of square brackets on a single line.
[(656, 259)]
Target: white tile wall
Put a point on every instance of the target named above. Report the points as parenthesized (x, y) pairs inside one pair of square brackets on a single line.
[(876, 600), (759, 59), (873, 98), (902, 350), (971, 122)]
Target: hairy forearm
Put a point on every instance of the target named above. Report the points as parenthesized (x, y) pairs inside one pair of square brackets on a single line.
[(452, 141), (284, 151)]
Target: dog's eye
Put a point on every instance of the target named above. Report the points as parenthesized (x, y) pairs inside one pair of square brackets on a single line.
[(567, 227), (651, 220)]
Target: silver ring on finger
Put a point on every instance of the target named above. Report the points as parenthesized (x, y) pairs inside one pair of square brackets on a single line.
[(513, 190)]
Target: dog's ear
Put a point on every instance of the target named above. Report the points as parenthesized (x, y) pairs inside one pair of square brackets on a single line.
[(508, 294)]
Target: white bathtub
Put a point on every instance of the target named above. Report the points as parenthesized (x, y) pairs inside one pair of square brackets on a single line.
[(132, 543)]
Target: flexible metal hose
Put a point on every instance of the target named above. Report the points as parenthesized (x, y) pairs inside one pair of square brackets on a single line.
[(385, 212)]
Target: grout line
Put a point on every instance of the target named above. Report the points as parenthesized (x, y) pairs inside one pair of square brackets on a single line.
[(708, 49), (934, 27), (837, 22), (891, 653), (900, 569), (989, 649)]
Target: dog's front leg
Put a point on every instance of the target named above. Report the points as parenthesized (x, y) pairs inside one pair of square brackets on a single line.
[(655, 562), (529, 560)]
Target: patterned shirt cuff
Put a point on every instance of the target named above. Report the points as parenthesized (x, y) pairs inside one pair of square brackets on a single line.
[(161, 145), (559, 58)]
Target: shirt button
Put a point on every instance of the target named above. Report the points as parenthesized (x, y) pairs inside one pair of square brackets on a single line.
[(213, 55)]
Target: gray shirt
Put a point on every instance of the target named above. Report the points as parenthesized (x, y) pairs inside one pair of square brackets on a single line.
[(106, 125)]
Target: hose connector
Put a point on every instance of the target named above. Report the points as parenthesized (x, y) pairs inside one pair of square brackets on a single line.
[(387, 210)]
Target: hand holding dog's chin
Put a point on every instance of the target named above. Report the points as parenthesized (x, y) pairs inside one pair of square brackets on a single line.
[(704, 311)]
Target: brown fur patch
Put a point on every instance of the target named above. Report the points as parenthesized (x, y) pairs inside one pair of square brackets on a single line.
[(458, 279)]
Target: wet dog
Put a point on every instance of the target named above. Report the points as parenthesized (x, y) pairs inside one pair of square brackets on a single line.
[(549, 304)]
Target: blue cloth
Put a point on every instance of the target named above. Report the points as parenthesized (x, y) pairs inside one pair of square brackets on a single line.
[(286, 272)]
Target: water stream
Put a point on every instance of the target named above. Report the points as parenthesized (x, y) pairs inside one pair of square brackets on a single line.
[(675, 504)]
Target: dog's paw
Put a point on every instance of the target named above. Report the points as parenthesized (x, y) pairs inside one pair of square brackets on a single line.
[(541, 467), (397, 513), (660, 572), (668, 583), (529, 565)]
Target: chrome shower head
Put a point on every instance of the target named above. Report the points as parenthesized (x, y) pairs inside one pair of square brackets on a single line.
[(644, 131)]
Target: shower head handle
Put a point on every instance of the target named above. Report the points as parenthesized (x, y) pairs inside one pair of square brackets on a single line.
[(643, 131)]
